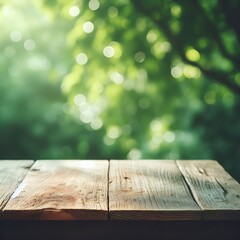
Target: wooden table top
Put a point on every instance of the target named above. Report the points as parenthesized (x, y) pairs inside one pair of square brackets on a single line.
[(165, 190)]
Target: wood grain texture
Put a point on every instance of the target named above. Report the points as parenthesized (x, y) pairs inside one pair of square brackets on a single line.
[(149, 190), (216, 192), (12, 173), (61, 190)]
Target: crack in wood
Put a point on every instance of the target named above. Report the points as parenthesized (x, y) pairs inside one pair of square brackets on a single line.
[(225, 191)]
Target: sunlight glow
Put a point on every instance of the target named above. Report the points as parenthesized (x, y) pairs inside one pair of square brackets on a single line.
[(87, 164), (139, 57), (156, 141), (79, 164), (156, 126), (176, 10), (16, 36), (108, 51), (20, 188), (74, 11), (88, 27), (88, 112), (134, 154), (93, 4), (39, 63), (29, 45), (176, 72), (97, 87), (80, 100), (108, 141), (169, 136), (151, 36), (86, 116), (82, 58), (166, 46), (96, 123), (160, 48), (193, 55), (114, 132), (116, 77), (191, 72), (117, 49)]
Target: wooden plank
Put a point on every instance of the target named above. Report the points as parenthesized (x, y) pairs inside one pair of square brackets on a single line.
[(149, 190), (216, 192), (61, 190), (12, 173)]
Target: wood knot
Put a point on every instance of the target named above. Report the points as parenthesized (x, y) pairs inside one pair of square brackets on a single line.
[(202, 171), (35, 169)]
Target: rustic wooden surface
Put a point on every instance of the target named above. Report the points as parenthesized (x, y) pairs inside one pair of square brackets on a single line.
[(149, 189), (61, 190), (11, 174), (164, 190), (215, 191)]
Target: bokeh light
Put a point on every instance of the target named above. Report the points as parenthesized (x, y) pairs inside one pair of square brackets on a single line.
[(88, 27), (16, 36), (74, 11), (94, 4), (29, 45), (98, 79), (177, 71), (108, 51), (193, 55), (82, 58)]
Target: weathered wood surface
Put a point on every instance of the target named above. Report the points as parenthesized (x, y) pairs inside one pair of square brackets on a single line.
[(124, 190), (149, 190), (61, 190), (215, 191), (12, 173)]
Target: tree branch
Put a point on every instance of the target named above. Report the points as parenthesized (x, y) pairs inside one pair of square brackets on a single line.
[(217, 76), (215, 33)]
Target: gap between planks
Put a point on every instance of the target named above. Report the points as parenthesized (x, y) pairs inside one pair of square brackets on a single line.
[(108, 173), (215, 191), (189, 188)]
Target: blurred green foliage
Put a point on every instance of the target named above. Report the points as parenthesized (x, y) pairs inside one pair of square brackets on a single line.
[(120, 79)]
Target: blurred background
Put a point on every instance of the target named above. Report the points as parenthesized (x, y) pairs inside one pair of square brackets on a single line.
[(120, 79)]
